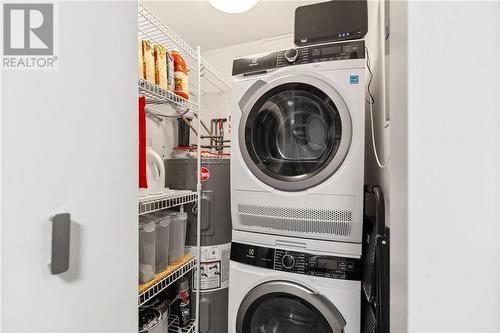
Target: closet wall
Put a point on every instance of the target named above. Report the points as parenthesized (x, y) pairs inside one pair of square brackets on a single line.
[(446, 84), (397, 65), (453, 176)]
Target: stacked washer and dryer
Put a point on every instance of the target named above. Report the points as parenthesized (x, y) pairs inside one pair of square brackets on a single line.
[(297, 171)]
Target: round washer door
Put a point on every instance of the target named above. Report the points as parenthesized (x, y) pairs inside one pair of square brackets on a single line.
[(286, 307), (295, 131)]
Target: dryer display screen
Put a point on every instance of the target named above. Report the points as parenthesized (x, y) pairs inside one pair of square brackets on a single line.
[(324, 263)]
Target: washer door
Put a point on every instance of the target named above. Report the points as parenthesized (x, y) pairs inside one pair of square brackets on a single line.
[(287, 307), (295, 131)]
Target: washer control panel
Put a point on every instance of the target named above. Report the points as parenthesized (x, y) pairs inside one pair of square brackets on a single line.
[(297, 56), (326, 266)]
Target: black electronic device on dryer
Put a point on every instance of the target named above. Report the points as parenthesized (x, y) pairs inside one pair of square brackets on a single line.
[(331, 21)]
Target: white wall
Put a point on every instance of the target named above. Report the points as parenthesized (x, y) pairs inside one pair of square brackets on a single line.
[(374, 42), (398, 196), (453, 166)]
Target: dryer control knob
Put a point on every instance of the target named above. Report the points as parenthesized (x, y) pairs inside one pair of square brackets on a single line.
[(288, 261), (291, 55)]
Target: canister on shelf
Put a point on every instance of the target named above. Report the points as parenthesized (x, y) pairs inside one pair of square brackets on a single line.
[(162, 220), (181, 75), (147, 249), (178, 226)]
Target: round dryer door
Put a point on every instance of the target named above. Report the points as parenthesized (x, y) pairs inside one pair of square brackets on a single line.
[(295, 132), (286, 307)]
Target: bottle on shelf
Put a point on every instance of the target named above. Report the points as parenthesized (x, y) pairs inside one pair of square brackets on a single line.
[(184, 302), (180, 75)]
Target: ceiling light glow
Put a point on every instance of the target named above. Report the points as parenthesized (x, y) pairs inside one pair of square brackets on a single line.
[(233, 6)]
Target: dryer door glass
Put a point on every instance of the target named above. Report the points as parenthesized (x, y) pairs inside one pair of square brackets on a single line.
[(292, 134)]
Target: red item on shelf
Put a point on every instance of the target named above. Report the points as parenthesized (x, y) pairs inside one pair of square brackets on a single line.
[(143, 179), (180, 75)]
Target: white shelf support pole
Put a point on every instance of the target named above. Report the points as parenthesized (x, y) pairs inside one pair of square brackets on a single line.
[(198, 188)]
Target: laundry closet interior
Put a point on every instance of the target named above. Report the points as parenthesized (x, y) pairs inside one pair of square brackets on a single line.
[(236, 167), (281, 232)]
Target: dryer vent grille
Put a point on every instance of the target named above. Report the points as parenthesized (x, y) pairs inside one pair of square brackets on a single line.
[(303, 220)]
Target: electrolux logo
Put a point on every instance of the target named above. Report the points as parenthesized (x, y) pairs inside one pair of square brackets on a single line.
[(29, 36)]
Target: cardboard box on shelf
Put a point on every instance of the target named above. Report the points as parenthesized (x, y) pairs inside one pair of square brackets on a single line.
[(149, 61), (170, 72), (161, 66), (140, 60)]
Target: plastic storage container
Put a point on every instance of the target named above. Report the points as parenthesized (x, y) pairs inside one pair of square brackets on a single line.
[(178, 227), (150, 321), (162, 240), (147, 249)]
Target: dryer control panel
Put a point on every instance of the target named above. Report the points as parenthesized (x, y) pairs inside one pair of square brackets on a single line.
[(326, 266), (299, 56)]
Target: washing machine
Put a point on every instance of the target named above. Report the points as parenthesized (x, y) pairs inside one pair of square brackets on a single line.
[(277, 285), (298, 119)]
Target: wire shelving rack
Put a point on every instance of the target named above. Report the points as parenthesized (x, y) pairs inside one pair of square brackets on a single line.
[(155, 31)]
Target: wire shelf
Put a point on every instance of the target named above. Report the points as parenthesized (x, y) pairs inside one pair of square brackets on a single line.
[(157, 95), (173, 274), (173, 198), (210, 74), (173, 325), (155, 31)]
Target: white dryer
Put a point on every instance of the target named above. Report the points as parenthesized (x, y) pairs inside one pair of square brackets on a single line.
[(277, 287), (297, 161)]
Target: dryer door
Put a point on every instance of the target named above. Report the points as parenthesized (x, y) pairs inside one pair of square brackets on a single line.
[(285, 307), (295, 131)]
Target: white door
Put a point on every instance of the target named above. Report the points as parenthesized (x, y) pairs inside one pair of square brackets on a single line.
[(69, 145)]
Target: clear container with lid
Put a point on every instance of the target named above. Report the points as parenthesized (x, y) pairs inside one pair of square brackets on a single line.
[(162, 221), (147, 249), (178, 228)]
